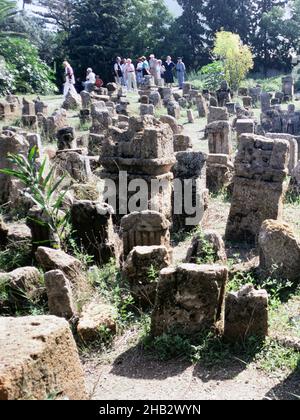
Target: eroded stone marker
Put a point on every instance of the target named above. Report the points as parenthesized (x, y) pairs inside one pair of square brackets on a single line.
[(259, 186)]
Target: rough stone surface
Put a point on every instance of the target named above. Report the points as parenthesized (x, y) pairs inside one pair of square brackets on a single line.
[(173, 109), (59, 293), (72, 101), (201, 106), (219, 172), (182, 143), (279, 251), (217, 114), (39, 223), (294, 149), (243, 126), (39, 358), (52, 124), (219, 137), (207, 247), (73, 163), (190, 299), (93, 229), (259, 186), (171, 121), (136, 270), (190, 179), (146, 109), (95, 318), (3, 232), (15, 144), (54, 259), (145, 228), (65, 138), (246, 314)]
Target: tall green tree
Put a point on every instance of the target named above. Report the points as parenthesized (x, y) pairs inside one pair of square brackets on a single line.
[(229, 15), (187, 36), (148, 22), (268, 32), (98, 34), (8, 9)]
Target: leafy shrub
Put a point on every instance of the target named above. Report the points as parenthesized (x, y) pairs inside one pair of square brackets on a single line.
[(24, 71), (213, 75)]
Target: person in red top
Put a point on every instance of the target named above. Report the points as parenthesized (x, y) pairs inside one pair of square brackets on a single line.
[(99, 82)]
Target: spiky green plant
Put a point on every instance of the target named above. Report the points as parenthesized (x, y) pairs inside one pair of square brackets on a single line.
[(41, 188)]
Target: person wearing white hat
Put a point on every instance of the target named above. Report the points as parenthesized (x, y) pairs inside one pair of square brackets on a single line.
[(89, 84)]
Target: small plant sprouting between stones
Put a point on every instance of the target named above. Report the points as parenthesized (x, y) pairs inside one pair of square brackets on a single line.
[(41, 188), (153, 274), (114, 290), (208, 254)]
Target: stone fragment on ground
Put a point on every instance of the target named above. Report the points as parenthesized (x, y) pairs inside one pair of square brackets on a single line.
[(39, 360)]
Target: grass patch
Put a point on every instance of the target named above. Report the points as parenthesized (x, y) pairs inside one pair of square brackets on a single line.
[(13, 256), (114, 290), (209, 350)]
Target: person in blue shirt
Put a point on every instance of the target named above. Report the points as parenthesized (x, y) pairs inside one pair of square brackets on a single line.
[(181, 70)]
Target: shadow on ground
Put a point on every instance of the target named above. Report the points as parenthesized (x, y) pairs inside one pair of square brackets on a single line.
[(289, 389)]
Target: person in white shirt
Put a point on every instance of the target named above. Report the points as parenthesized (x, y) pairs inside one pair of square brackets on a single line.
[(129, 73), (118, 71), (89, 84), (124, 78), (70, 79), (159, 71)]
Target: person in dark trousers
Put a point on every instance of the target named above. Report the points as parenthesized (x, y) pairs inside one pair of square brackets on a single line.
[(169, 69), (180, 69)]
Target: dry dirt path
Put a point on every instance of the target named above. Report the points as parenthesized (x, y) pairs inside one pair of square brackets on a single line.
[(134, 375)]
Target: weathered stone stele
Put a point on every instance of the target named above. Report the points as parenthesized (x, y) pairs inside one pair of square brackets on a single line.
[(72, 101), (279, 251), (259, 186), (136, 271), (294, 149), (190, 300), (15, 144), (93, 229), (173, 109), (39, 223), (219, 137), (74, 163), (24, 284), (219, 172), (39, 358), (145, 150), (246, 314), (207, 247), (190, 197), (59, 293), (244, 126), (217, 114), (65, 138), (52, 124), (145, 228), (182, 143)]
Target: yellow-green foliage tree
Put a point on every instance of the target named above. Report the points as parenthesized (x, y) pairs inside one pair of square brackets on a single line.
[(236, 57)]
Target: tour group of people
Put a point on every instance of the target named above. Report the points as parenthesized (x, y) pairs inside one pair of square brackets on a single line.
[(132, 75), (129, 75)]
